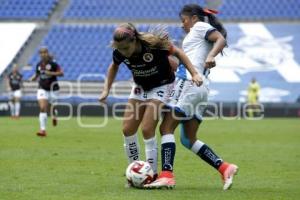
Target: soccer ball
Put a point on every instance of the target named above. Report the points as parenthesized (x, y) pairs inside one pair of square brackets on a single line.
[(139, 173)]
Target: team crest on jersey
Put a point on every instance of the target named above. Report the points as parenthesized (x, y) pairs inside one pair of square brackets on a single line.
[(48, 67), (148, 57)]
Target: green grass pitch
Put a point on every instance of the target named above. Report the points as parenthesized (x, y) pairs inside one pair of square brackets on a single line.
[(89, 163)]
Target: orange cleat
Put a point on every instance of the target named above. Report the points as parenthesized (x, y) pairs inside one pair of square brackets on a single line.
[(166, 180), (228, 171)]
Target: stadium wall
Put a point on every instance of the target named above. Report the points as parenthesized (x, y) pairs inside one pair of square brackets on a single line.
[(228, 110)]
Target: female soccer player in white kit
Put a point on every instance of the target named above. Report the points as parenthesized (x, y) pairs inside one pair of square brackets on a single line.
[(202, 43)]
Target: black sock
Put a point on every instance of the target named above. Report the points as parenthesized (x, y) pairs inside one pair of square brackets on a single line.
[(167, 156), (209, 156)]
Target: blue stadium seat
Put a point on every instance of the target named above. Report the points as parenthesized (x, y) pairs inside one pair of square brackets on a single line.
[(26, 9), (168, 10), (85, 49)]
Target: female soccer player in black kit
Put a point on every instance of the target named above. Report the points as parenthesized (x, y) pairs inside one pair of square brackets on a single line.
[(47, 71), (14, 86), (147, 56)]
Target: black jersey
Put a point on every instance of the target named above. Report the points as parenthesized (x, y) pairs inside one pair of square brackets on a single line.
[(150, 68), (15, 81), (47, 82)]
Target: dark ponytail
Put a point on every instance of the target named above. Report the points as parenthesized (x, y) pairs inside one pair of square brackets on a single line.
[(214, 22), (195, 9)]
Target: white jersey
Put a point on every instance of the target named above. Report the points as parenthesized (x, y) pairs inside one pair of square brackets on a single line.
[(196, 47)]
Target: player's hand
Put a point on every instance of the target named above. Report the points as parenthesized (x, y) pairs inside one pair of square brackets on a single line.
[(196, 78), (210, 62), (103, 96)]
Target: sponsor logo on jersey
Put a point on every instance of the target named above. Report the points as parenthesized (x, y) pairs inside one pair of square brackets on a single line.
[(148, 57)]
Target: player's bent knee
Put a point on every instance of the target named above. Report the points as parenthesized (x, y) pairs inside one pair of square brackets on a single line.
[(148, 131)]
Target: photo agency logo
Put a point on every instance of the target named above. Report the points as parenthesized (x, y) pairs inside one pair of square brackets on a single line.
[(88, 105)]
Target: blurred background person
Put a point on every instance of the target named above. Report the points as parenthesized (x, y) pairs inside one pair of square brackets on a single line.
[(253, 98), (14, 85), (47, 71)]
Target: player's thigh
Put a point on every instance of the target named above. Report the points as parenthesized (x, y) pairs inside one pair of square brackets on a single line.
[(42, 97), (193, 102), (151, 117), (17, 95), (133, 116), (43, 104), (53, 96)]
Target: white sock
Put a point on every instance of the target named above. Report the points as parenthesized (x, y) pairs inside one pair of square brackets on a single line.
[(197, 146), (17, 108), (43, 120), (12, 108), (151, 151), (168, 138), (132, 148)]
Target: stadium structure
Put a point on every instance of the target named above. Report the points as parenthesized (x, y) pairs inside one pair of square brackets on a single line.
[(263, 42)]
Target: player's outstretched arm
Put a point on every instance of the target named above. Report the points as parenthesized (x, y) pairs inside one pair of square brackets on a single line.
[(111, 74)]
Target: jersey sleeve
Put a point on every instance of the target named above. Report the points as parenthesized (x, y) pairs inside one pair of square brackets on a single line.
[(117, 57), (204, 29)]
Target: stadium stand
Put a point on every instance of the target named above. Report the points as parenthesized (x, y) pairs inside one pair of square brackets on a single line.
[(168, 10), (26, 9), (79, 40), (84, 49)]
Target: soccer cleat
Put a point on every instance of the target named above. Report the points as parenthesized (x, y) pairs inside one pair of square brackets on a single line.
[(228, 174), (165, 180), (54, 121), (41, 133)]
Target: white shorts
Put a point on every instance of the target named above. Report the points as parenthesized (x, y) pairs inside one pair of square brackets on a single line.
[(51, 96), (189, 99), (161, 93), (15, 94)]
